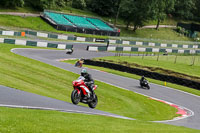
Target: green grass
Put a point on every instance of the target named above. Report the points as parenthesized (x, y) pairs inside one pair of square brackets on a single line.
[(183, 63), (36, 121), (161, 34), (179, 87), (34, 23), (36, 77)]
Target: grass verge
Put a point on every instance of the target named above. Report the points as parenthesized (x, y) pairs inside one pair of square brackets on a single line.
[(161, 34), (36, 121), (189, 65)]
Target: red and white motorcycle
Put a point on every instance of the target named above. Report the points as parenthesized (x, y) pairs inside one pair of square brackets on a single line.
[(82, 93)]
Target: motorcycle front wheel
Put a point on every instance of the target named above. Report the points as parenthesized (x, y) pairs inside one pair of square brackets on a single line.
[(148, 87), (75, 97), (94, 102)]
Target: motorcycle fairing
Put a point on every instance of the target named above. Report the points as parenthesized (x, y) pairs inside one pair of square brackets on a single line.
[(85, 90)]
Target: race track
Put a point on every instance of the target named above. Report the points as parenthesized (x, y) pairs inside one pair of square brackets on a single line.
[(52, 57)]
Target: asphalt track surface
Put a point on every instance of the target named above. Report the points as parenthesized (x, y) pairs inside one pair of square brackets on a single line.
[(19, 98)]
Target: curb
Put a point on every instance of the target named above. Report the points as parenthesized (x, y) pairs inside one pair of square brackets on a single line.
[(142, 49), (184, 112)]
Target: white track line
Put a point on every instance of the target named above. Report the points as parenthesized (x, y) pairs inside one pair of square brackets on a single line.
[(64, 110)]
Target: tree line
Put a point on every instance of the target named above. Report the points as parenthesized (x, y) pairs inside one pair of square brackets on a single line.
[(135, 12)]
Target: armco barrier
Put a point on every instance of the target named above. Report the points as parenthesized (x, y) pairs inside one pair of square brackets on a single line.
[(142, 49), (153, 75), (87, 39), (35, 43)]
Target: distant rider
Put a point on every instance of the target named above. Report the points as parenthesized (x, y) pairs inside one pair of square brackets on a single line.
[(79, 63), (88, 80), (142, 79)]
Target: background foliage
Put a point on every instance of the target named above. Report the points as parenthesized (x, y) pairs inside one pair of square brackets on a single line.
[(133, 12)]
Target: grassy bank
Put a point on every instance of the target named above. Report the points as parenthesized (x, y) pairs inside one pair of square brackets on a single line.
[(161, 34), (34, 121), (36, 77), (189, 65)]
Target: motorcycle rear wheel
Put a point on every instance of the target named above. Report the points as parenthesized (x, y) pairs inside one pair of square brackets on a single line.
[(94, 102), (75, 97)]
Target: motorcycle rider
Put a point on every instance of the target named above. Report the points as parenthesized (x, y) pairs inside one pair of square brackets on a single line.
[(142, 79), (88, 80), (79, 63)]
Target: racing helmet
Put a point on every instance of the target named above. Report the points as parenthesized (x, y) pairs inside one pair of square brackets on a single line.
[(83, 72)]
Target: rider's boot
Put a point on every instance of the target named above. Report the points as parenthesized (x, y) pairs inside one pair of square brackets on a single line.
[(92, 94)]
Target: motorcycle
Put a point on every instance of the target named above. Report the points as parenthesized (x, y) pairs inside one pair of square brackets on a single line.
[(79, 63), (144, 84), (69, 51), (82, 93)]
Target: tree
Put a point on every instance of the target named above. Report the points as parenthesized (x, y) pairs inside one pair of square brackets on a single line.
[(160, 9), (102, 7), (12, 3), (136, 12), (60, 3), (45, 4), (117, 10), (184, 9), (196, 12), (105, 7), (79, 4)]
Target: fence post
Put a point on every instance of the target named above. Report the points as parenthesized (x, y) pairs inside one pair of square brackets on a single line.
[(175, 59), (193, 60), (158, 57), (143, 56)]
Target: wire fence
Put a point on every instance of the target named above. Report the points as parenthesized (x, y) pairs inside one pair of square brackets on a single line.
[(155, 40)]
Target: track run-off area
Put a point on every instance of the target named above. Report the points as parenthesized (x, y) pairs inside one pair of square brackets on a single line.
[(188, 105)]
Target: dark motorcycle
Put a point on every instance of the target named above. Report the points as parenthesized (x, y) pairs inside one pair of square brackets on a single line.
[(69, 51), (144, 84)]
